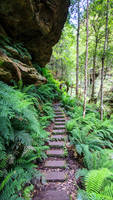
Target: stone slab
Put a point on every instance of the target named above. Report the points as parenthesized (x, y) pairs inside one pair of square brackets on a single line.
[(60, 116), (59, 127), (57, 109), (56, 144), (55, 164), (58, 137), (57, 104), (60, 120), (59, 113), (53, 195), (59, 131), (56, 153), (60, 123), (55, 176)]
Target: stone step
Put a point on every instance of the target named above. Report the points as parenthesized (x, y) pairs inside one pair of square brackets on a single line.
[(56, 144), (57, 110), (60, 119), (60, 123), (58, 104), (55, 164), (59, 127), (53, 195), (59, 137), (55, 176), (59, 113), (60, 116), (59, 131), (56, 153)]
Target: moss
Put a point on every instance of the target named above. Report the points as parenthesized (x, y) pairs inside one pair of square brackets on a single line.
[(1, 62)]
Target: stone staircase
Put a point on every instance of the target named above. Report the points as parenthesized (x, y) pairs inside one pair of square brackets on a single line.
[(55, 164)]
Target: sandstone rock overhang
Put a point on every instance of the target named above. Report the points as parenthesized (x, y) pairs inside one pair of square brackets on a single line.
[(35, 23), (11, 70)]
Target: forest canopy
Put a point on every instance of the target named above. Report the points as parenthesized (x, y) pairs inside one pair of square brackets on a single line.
[(64, 61)]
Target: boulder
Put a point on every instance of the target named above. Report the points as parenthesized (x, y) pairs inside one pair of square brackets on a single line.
[(35, 23)]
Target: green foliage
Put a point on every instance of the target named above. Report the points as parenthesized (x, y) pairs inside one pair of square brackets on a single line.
[(24, 112), (12, 49), (85, 142), (92, 139), (99, 159), (22, 140), (1, 62), (89, 133), (46, 114), (82, 195), (16, 181), (63, 57), (100, 182), (27, 192), (22, 50), (47, 92), (96, 160)]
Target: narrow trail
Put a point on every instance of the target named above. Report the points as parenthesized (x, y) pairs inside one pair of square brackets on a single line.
[(59, 168)]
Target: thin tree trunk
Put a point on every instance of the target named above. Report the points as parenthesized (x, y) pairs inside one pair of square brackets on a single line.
[(107, 57), (101, 89), (86, 62), (103, 60), (94, 69), (71, 91), (77, 49)]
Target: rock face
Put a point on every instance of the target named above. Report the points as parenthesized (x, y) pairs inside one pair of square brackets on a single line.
[(35, 23), (12, 70)]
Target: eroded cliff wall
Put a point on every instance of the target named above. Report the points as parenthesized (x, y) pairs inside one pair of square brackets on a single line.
[(37, 24)]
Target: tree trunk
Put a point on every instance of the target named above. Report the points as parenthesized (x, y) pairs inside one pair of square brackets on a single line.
[(94, 69), (77, 49), (101, 88), (71, 91), (103, 60), (86, 62)]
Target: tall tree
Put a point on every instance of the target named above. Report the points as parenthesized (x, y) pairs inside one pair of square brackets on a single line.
[(96, 25), (86, 60), (77, 51), (94, 68), (103, 60)]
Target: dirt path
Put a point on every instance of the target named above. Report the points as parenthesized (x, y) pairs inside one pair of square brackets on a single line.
[(60, 167)]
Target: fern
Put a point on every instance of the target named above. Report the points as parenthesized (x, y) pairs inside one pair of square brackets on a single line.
[(82, 195), (16, 182), (98, 159), (22, 140), (91, 136), (83, 140), (95, 183), (99, 185), (27, 192)]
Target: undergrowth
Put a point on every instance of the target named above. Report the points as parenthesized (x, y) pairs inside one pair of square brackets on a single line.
[(93, 143), (24, 113)]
